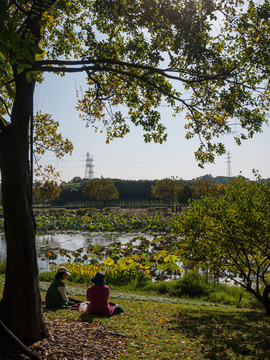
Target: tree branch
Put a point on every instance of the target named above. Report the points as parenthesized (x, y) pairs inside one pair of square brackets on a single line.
[(5, 105), (25, 350), (31, 23), (79, 65), (3, 124)]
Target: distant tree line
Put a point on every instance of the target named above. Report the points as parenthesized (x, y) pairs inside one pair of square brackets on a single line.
[(169, 190), (76, 190)]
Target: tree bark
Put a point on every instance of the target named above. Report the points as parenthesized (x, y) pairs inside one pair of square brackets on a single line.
[(266, 300), (21, 307)]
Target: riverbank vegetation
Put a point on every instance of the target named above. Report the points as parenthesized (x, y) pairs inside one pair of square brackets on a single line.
[(172, 274), (174, 279), (190, 286), (157, 327), (221, 235), (108, 219)]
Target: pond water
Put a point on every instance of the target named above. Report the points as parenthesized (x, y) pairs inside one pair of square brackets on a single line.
[(69, 241)]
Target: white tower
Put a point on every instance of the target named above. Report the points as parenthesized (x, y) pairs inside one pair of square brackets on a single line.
[(229, 161), (89, 167)]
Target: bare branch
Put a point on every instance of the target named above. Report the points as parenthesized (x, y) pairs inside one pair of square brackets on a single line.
[(96, 64), (3, 123), (25, 350), (5, 105)]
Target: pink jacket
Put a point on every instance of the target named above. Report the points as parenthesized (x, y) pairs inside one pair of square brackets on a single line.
[(98, 296)]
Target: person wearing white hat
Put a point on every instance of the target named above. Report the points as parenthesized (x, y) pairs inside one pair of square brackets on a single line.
[(56, 296)]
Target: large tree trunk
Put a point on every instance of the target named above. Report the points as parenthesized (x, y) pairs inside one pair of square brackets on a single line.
[(266, 300), (21, 307)]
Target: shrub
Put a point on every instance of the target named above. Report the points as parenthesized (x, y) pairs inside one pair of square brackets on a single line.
[(162, 287), (1, 223), (47, 275), (194, 285), (2, 266), (227, 294), (221, 297), (116, 275), (87, 211), (2, 263), (191, 284), (140, 281), (55, 211)]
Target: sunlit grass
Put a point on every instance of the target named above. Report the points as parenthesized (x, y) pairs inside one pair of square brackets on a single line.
[(191, 330), (156, 330)]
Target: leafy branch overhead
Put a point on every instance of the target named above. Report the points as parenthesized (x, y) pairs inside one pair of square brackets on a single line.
[(46, 138), (139, 56)]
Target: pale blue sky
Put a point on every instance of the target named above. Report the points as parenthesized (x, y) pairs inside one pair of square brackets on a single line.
[(131, 158)]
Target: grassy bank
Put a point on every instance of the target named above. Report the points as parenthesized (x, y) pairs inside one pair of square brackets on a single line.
[(191, 286), (156, 327), (189, 329)]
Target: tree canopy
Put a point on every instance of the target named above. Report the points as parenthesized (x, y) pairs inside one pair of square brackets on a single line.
[(230, 235), (141, 55), (137, 56), (202, 187), (46, 191), (100, 190), (167, 189)]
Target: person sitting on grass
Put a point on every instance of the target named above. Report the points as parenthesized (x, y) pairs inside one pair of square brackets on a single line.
[(56, 296), (98, 296)]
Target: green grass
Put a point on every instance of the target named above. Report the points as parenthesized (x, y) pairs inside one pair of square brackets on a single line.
[(195, 330), (160, 327), (193, 285), (173, 331)]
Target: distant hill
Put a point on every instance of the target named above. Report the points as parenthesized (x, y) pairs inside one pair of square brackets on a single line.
[(217, 180), (222, 180)]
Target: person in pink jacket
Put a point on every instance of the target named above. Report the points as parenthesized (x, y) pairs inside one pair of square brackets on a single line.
[(98, 296)]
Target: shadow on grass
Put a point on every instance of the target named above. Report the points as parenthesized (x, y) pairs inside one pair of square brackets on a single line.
[(225, 335), (86, 317), (49, 310)]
